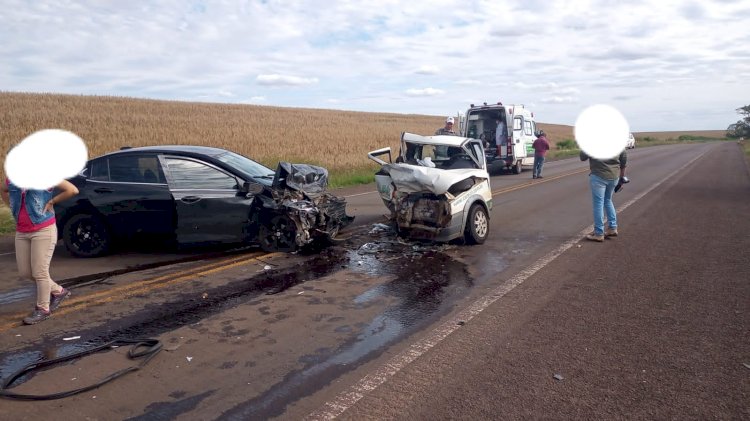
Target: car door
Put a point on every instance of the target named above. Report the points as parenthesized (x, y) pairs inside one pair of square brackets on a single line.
[(209, 204), (130, 191)]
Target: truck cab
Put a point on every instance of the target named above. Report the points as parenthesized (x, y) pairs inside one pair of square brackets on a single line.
[(515, 152)]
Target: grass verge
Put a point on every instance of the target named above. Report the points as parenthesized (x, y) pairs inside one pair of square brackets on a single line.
[(7, 224)]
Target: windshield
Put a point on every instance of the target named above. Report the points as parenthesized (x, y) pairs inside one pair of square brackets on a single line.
[(247, 166)]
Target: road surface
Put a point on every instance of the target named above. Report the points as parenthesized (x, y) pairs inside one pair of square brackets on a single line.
[(533, 324)]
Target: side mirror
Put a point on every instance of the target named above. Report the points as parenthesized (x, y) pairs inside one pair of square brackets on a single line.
[(251, 188)]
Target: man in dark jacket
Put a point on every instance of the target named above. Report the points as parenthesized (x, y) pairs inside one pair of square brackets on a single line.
[(541, 146), (605, 173)]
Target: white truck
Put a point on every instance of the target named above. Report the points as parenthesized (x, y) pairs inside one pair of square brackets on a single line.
[(480, 122)]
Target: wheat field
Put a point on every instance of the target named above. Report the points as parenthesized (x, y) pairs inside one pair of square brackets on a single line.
[(337, 140)]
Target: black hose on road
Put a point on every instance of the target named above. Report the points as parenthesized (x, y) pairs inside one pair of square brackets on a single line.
[(142, 348)]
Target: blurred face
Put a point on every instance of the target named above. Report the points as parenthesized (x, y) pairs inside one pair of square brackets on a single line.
[(449, 125)]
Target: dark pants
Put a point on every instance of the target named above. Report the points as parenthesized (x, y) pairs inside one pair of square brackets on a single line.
[(538, 164)]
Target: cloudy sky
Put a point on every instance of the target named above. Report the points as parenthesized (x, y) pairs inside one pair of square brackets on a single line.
[(666, 65)]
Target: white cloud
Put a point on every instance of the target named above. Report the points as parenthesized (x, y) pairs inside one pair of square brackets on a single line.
[(584, 52), (428, 70), (424, 92), (558, 100), (282, 80)]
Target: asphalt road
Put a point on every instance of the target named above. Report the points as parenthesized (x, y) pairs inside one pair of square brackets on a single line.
[(649, 325)]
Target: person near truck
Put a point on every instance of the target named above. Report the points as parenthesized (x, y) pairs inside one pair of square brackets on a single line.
[(501, 134), (541, 146), (448, 129), (36, 237), (441, 150), (605, 174)]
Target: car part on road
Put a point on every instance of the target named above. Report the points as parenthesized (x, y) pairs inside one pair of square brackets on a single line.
[(151, 348)]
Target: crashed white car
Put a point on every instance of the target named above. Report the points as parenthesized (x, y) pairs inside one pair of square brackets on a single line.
[(438, 188)]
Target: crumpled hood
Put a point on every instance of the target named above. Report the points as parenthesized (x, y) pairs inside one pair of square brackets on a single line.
[(414, 178), (309, 179)]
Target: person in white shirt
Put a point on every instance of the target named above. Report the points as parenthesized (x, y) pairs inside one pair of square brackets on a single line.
[(501, 134)]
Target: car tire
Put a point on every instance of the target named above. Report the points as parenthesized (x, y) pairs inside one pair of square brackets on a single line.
[(86, 235), (477, 225), (278, 235), (518, 168)]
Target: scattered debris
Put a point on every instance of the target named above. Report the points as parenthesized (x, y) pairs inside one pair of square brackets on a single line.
[(72, 338), (189, 359), (558, 377), (205, 295), (746, 365), (381, 228), (461, 323), (267, 267), (301, 292)]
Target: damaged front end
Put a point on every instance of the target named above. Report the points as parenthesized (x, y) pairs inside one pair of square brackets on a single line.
[(299, 209), (438, 188), (426, 203)]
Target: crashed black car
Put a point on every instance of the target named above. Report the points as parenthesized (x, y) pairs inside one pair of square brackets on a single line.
[(195, 195)]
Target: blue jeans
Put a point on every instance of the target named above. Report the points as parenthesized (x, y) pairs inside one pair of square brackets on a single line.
[(538, 163), (601, 195)]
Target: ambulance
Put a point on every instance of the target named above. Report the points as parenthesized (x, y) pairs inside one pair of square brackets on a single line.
[(516, 152)]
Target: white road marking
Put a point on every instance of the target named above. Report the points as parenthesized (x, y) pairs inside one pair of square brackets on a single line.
[(361, 194), (332, 409)]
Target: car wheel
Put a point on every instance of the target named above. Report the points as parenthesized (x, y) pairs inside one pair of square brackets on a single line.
[(477, 225), (517, 168), (86, 236), (278, 234)]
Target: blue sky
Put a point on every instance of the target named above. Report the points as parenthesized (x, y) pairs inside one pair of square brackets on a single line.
[(667, 65)]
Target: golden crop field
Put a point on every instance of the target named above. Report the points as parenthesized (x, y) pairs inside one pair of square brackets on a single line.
[(337, 140)]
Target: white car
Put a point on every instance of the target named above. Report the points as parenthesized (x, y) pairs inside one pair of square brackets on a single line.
[(631, 142), (438, 189)]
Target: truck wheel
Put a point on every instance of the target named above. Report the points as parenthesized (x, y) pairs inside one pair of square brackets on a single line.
[(517, 168), (477, 225), (86, 236), (278, 234)]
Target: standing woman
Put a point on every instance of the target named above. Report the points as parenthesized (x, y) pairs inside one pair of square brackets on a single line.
[(36, 236)]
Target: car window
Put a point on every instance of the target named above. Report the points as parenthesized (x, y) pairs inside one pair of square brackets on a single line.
[(99, 169), (517, 123), (246, 165), (477, 151), (527, 129), (189, 174), (135, 169)]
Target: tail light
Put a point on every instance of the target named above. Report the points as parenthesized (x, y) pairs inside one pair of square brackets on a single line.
[(510, 146)]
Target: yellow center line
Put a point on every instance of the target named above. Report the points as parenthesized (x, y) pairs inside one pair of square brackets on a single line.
[(537, 181), (144, 286)]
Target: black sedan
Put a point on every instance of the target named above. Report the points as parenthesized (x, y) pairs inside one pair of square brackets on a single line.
[(191, 195)]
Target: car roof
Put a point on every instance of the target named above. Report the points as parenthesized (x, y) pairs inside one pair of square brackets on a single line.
[(179, 149), (447, 140)]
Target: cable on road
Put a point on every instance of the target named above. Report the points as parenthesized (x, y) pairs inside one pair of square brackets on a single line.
[(142, 348)]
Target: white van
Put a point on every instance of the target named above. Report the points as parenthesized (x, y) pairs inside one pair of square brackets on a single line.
[(479, 122)]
